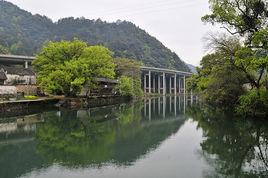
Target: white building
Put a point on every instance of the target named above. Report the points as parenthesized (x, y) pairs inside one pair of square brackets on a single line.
[(12, 75)]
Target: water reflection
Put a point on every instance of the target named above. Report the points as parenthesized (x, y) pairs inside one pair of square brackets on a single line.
[(122, 136), (169, 106), (234, 147), (118, 135)]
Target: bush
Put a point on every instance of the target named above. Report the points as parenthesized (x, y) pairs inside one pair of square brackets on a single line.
[(253, 103), (125, 86)]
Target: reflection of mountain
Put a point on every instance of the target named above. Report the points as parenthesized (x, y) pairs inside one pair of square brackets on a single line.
[(116, 134)]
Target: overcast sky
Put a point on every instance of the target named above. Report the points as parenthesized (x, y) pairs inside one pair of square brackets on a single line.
[(176, 23)]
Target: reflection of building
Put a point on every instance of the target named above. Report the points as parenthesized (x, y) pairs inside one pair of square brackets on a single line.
[(20, 128)]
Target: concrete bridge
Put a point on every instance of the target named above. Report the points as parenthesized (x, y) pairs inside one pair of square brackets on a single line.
[(16, 60), (164, 81), (154, 80)]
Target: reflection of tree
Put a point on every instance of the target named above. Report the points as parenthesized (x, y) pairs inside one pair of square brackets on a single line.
[(100, 137), (70, 141), (235, 147)]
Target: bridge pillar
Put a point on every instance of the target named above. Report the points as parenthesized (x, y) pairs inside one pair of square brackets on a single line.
[(159, 84), (164, 83), (154, 83), (175, 84), (150, 80), (179, 85), (144, 83), (184, 84), (170, 85)]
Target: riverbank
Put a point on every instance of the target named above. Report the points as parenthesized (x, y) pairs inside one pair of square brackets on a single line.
[(15, 108)]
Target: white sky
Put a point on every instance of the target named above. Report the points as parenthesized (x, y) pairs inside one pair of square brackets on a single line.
[(176, 23)]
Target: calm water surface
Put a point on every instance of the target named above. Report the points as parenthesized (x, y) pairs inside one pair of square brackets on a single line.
[(158, 138)]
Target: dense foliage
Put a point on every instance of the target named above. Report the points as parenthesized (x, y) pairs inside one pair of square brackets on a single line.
[(125, 86), (24, 33), (65, 67), (235, 74), (130, 77)]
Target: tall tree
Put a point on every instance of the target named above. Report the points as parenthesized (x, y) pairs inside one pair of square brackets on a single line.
[(243, 57)]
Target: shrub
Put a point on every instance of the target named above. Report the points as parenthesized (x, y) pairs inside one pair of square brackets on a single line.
[(125, 86), (253, 103)]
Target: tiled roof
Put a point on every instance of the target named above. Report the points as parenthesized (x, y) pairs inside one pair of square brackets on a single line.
[(106, 80), (3, 75), (17, 70)]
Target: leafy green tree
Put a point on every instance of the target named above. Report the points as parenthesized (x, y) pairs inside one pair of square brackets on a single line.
[(243, 58), (218, 80), (239, 16), (130, 68), (125, 86), (249, 20), (65, 67)]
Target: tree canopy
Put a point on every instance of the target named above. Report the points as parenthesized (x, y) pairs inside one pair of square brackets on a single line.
[(236, 70), (65, 67)]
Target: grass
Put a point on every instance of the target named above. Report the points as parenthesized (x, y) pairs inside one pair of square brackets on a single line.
[(30, 97)]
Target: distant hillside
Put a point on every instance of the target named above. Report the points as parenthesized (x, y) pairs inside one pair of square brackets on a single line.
[(23, 33), (192, 68)]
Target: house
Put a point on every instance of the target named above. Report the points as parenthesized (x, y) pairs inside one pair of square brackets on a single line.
[(3, 77), (13, 75), (104, 86)]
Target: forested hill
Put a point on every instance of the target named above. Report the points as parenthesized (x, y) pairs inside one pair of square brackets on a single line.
[(23, 33)]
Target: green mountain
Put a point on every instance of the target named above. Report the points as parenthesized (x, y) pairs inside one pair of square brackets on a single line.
[(23, 33)]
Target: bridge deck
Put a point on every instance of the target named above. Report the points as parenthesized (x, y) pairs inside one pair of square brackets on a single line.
[(160, 70)]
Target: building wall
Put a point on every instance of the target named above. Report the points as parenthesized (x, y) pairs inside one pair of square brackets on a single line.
[(27, 89), (27, 78), (8, 90)]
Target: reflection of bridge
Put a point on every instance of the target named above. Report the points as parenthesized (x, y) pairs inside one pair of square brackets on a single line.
[(168, 105)]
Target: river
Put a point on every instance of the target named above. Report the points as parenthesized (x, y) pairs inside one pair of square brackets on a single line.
[(166, 137)]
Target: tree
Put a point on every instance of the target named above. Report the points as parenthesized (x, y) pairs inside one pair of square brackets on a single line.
[(244, 54), (130, 69), (125, 86), (243, 17), (218, 80), (249, 20), (65, 67)]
